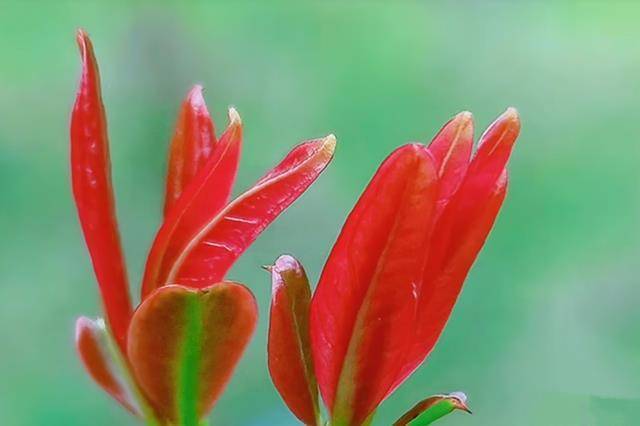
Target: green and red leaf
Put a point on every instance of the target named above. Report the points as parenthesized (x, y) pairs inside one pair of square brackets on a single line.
[(193, 142), (184, 345), (289, 351), (433, 408), (93, 193), (364, 308)]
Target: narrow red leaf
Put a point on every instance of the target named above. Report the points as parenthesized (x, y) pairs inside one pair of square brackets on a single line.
[(193, 143), (460, 235), (92, 344), (363, 310), (489, 162), (205, 196), (451, 152), (289, 351), (91, 178), (209, 254), (184, 345)]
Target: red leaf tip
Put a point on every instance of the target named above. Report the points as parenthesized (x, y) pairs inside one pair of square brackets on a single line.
[(84, 42), (510, 119), (511, 114), (234, 117), (81, 35), (464, 122), (195, 97), (464, 117), (329, 143), (285, 262)]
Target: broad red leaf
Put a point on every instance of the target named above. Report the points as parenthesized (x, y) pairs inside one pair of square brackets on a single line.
[(93, 346), (91, 177), (363, 310), (459, 236), (205, 196), (207, 256), (290, 358), (184, 345), (193, 143)]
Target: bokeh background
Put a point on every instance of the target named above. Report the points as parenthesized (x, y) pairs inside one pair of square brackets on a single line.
[(546, 330)]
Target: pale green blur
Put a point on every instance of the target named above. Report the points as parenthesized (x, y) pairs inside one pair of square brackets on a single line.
[(546, 330)]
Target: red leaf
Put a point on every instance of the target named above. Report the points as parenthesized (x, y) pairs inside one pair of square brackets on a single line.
[(489, 162), (363, 310), (193, 143), (92, 343), (451, 152), (208, 255), (203, 198), (459, 236), (290, 358), (91, 176), (184, 345)]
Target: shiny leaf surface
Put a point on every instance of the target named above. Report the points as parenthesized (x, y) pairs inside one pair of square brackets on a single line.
[(363, 310), (208, 255), (93, 193)]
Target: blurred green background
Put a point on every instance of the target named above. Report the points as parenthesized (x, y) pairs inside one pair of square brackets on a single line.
[(546, 330)]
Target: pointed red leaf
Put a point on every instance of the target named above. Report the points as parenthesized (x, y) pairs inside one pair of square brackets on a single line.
[(290, 358), (205, 196), (91, 177), (451, 152), (363, 310), (184, 345), (459, 236), (207, 256), (92, 344), (489, 161), (193, 143)]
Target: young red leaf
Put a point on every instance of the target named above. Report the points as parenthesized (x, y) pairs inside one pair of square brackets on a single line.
[(290, 358), (184, 345), (205, 196), (433, 408), (451, 152), (208, 255), (459, 236), (93, 193), (93, 346), (488, 164), (363, 310), (193, 143)]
